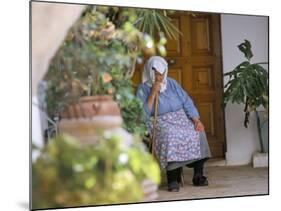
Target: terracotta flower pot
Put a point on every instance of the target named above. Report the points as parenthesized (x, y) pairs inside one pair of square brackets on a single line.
[(92, 114), (91, 106)]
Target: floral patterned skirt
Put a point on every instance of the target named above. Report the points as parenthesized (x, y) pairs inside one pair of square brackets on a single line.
[(176, 139)]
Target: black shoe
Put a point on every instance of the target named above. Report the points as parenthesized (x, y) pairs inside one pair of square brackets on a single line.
[(200, 180), (172, 179), (173, 186)]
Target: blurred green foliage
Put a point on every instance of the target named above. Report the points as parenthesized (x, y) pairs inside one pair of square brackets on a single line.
[(68, 174)]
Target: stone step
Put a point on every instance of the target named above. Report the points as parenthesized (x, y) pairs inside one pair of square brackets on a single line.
[(215, 162)]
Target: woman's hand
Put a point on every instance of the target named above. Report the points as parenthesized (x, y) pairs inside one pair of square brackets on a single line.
[(198, 125), (154, 90), (156, 87)]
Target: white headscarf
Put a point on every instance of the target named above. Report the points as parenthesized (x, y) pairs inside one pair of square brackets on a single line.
[(148, 75)]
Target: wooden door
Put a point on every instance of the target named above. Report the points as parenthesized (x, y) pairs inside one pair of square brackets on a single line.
[(195, 62)]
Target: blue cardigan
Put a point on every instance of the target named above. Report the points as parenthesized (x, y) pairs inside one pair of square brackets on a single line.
[(172, 99)]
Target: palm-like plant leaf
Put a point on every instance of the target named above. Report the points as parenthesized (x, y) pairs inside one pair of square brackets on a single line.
[(154, 21)]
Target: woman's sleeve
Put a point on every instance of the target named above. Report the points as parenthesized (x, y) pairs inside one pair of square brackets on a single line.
[(188, 105), (142, 94)]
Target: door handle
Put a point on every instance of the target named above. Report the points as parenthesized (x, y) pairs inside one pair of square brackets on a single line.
[(171, 61)]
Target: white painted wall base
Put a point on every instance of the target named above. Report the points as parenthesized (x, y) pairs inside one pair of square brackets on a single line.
[(260, 160)]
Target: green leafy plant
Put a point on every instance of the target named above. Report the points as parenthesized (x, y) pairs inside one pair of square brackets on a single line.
[(68, 174), (248, 84)]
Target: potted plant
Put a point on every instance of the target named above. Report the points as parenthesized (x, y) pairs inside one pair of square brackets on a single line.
[(248, 84)]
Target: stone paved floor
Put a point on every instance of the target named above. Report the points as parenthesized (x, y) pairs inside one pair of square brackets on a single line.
[(223, 181)]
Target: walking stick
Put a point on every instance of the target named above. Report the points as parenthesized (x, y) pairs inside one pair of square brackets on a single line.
[(154, 125)]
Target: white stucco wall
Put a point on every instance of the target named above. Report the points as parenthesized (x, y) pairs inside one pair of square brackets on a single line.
[(37, 130), (241, 142)]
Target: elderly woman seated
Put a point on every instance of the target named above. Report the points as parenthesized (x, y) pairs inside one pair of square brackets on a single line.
[(180, 138)]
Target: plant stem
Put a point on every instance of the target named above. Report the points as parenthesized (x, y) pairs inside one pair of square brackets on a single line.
[(259, 130)]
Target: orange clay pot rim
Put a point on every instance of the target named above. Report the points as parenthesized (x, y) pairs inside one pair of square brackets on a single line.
[(95, 97)]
